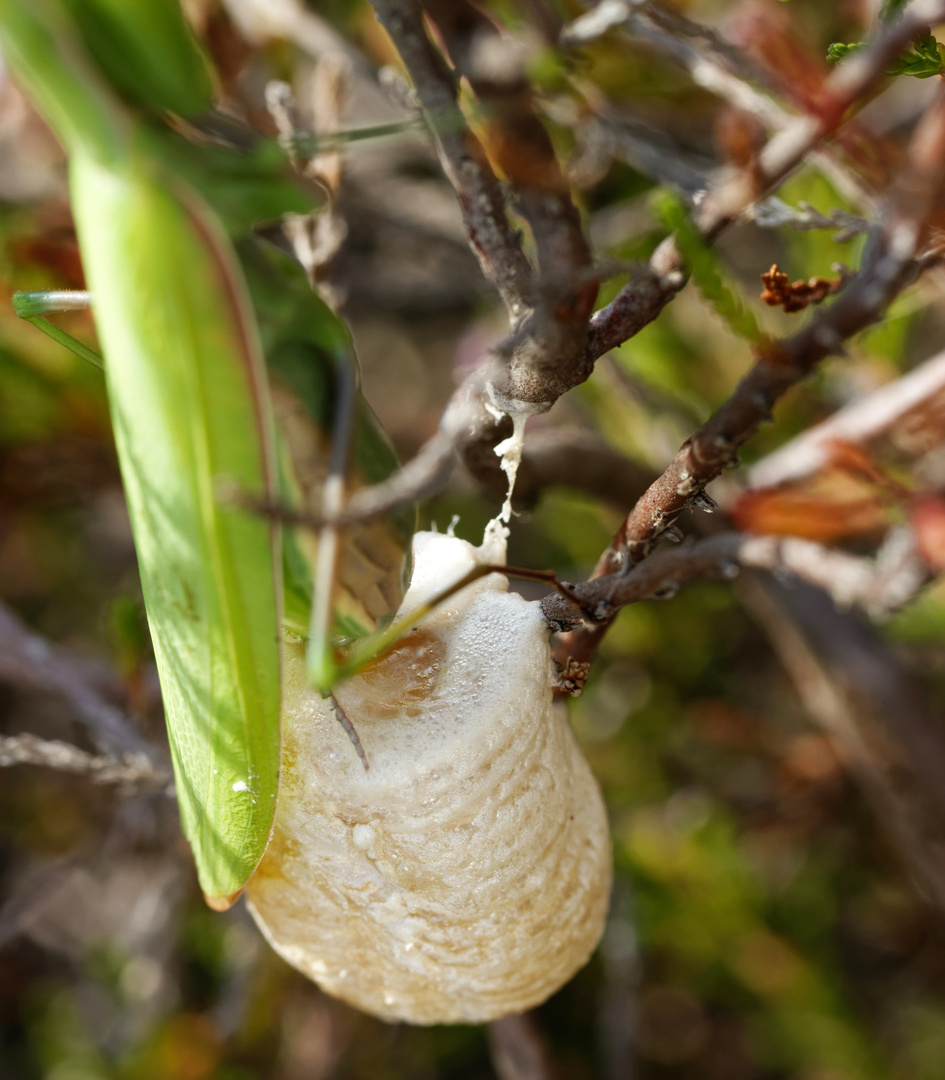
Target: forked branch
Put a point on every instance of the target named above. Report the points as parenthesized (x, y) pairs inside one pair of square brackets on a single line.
[(890, 264)]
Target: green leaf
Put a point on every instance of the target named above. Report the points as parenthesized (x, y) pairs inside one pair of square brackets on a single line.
[(67, 341), (839, 51), (191, 413), (244, 187), (922, 62)]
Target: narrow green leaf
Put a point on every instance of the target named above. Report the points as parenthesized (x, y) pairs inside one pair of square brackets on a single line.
[(922, 62), (31, 306)]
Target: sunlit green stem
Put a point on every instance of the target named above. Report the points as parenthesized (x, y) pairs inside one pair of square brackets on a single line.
[(325, 142)]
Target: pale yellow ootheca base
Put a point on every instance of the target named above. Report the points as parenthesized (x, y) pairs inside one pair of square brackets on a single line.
[(466, 874)]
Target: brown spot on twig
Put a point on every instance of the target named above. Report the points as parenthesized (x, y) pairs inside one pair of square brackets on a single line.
[(795, 295)]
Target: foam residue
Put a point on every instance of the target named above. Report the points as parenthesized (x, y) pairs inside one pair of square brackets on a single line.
[(510, 451), (440, 560)]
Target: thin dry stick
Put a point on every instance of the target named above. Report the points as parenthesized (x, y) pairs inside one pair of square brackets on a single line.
[(533, 375), (130, 772), (920, 391), (713, 63), (544, 354), (847, 86), (644, 298), (495, 243), (888, 268)]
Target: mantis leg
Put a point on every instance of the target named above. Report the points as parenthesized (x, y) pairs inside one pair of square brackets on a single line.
[(31, 306)]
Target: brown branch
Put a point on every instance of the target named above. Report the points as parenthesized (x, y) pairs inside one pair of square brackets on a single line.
[(880, 585), (716, 65), (638, 303), (710, 450), (425, 474), (847, 86), (544, 356), (536, 371), (558, 457), (495, 243), (712, 62)]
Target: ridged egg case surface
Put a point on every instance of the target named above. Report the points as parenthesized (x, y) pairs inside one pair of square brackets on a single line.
[(466, 874)]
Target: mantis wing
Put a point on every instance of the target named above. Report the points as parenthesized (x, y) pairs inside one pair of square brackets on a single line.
[(190, 412)]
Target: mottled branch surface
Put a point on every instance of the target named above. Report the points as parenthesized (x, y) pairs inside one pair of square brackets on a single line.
[(549, 305)]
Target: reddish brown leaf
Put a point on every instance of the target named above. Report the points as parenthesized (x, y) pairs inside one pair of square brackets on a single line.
[(780, 512)]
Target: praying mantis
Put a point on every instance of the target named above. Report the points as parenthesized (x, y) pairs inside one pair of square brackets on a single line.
[(224, 372), (191, 403)]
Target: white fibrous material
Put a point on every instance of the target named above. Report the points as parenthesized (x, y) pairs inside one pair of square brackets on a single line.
[(465, 875)]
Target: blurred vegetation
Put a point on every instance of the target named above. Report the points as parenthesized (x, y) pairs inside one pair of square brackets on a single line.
[(763, 925)]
